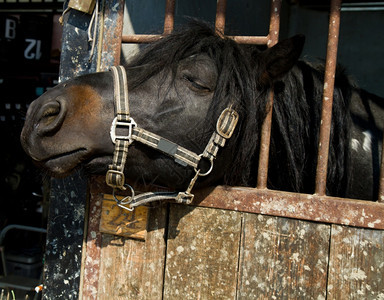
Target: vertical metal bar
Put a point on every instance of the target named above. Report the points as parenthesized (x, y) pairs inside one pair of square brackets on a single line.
[(273, 37), (329, 81), (381, 189), (110, 33), (169, 19), (274, 23), (220, 15)]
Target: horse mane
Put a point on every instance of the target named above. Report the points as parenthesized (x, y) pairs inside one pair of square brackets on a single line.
[(295, 129), (296, 110)]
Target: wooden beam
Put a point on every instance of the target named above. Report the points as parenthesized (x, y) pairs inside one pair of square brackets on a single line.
[(317, 208)]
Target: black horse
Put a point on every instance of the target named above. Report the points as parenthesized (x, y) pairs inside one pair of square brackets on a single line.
[(178, 87)]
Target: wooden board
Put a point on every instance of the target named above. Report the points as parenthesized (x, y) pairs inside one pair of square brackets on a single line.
[(122, 268), (357, 263), (133, 269), (202, 253), (283, 259), (90, 271)]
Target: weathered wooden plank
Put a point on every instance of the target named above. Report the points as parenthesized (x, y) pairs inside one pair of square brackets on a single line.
[(105, 54), (133, 269), (356, 263), (202, 253), (105, 271), (283, 259), (317, 208), (91, 258)]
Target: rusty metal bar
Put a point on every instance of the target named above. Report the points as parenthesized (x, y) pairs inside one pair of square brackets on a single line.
[(324, 209), (250, 40), (169, 18), (274, 23), (262, 175), (109, 53), (272, 39), (329, 81), (220, 15), (381, 189), (149, 38), (141, 38)]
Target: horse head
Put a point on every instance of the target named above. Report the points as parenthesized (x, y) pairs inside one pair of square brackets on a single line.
[(177, 89)]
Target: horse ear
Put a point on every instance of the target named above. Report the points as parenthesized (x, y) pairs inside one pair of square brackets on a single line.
[(279, 59)]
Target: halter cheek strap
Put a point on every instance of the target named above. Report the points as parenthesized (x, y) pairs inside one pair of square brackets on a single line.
[(225, 127), (115, 175)]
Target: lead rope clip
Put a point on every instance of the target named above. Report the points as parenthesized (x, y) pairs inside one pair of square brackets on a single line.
[(126, 200)]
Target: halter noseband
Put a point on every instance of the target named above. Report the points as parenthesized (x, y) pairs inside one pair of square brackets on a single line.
[(115, 175)]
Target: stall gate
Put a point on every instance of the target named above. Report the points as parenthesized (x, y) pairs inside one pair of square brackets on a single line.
[(232, 243)]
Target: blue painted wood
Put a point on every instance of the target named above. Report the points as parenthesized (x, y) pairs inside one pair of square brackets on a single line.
[(64, 238), (68, 196)]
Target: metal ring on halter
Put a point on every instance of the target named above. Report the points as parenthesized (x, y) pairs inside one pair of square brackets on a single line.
[(210, 169), (124, 200)]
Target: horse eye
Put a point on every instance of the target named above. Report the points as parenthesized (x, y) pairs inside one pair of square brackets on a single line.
[(196, 85)]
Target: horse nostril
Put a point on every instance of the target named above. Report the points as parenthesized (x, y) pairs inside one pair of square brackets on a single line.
[(51, 117), (50, 113)]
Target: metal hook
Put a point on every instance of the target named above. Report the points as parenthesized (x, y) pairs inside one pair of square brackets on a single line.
[(126, 199)]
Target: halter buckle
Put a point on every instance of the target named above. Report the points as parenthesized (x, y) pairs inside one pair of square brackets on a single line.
[(227, 122), (130, 124), (116, 181)]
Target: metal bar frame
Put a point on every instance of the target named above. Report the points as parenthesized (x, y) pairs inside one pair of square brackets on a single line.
[(317, 203), (272, 39), (329, 83)]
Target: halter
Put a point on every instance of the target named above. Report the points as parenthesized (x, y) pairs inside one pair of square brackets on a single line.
[(115, 178)]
